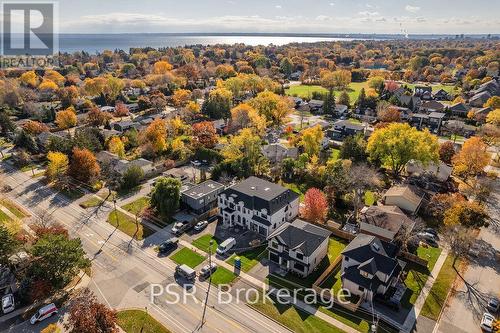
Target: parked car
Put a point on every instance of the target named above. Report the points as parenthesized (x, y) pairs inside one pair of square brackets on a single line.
[(225, 246), (200, 225), (487, 322), (428, 239), (8, 303), (493, 305), (181, 227), (44, 313), (208, 270), (168, 245), (431, 231), (196, 163), (426, 234), (186, 272)]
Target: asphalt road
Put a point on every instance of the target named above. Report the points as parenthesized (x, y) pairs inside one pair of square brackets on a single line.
[(123, 270)]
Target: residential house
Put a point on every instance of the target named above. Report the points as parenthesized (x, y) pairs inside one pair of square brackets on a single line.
[(459, 110), (423, 92), (316, 106), (370, 267), (419, 120), (459, 127), (258, 205), (345, 128), (44, 138), (202, 198), (385, 222), (298, 247), (441, 95), (341, 110), (125, 125), (277, 152), (431, 106), (435, 121), (479, 99), (411, 102), (109, 109), (439, 170), (146, 166), (407, 197)]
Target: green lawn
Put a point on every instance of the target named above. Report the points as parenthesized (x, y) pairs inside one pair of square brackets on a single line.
[(127, 225), (295, 319), (417, 276), (137, 206), (14, 209), (91, 202), (138, 321), (370, 198), (249, 258), (203, 243), (222, 276), (187, 257), (437, 295), (304, 91)]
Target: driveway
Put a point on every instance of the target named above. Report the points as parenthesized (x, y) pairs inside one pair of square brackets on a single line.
[(460, 316)]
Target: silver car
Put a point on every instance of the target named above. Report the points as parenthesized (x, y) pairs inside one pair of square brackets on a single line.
[(8, 303)]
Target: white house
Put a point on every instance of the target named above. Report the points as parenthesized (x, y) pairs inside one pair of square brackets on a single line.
[(298, 247), (276, 152), (370, 267), (258, 205), (407, 197)]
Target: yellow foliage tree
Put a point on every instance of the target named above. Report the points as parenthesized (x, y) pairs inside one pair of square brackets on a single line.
[(245, 116), (311, 140), (55, 77), (181, 97), (66, 119), (51, 328), (156, 135), (116, 146), (48, 85), (471, 160), (493, 117), (29, 79), (57, 166), (273, 107), (162, 67)]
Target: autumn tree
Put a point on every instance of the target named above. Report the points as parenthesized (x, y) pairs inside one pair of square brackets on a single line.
[(397, 144), (34, 127), (29, 79), (344, 99), (66, 119), (121, 110), (57, 166), (155, 135), (377, 83), (339, 79), (311, 139), (165, 196), (471, 160), (446, 152), (353, 148), (245, 116), (181, 97), (205, 134), (55, 77), (273, 107), (68, 96), (494, 117), (470, 214), (493, 103), (116, 146), (387, 113), (96, 117), (94, 86), (84, 166), (315, 206), (51, 328), (87, 315), (162, 67)]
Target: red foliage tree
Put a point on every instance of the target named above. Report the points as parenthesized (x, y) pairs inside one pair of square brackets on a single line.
[(83, 166), (315, 206), (121, 110), (446, 152)]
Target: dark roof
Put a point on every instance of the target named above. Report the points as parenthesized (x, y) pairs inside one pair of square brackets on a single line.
[(437, 115), (257, 193), (301, 235), (384, 221), (202, 189), (348, 124), (364, 248)]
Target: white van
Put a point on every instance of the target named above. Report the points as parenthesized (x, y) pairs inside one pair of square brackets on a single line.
[(225, 246), (44, 313)]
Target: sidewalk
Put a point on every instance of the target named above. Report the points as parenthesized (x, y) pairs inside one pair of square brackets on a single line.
[(419, 303)]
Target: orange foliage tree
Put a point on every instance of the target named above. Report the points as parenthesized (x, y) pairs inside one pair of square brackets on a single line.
[(315, 206)]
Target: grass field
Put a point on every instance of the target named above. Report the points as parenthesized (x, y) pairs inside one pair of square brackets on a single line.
[(187, 257), (127, 224), (91, 202), (417, 276), (222, 276), (203, 243), (138, 321), (249, 258), (4, 217), (304, 91), (295, 319), (13, 208), (437, 295), (137, 206)]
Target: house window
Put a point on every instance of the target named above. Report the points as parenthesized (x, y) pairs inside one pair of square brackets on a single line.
[(299, 267), (361, 288), (346, 258), (299, 256)]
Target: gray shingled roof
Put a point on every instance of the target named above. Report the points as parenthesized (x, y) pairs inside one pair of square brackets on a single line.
[(301, 235)]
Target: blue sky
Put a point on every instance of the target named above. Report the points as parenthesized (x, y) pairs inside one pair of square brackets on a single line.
[(387, 16)]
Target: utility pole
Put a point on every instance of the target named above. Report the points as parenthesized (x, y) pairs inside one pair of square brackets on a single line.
[(116, 214), (209, 282)]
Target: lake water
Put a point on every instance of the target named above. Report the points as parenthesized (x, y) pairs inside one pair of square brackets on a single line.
[(97, 43)]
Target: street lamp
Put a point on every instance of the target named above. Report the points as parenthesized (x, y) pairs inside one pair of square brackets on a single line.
[(209, 281)]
